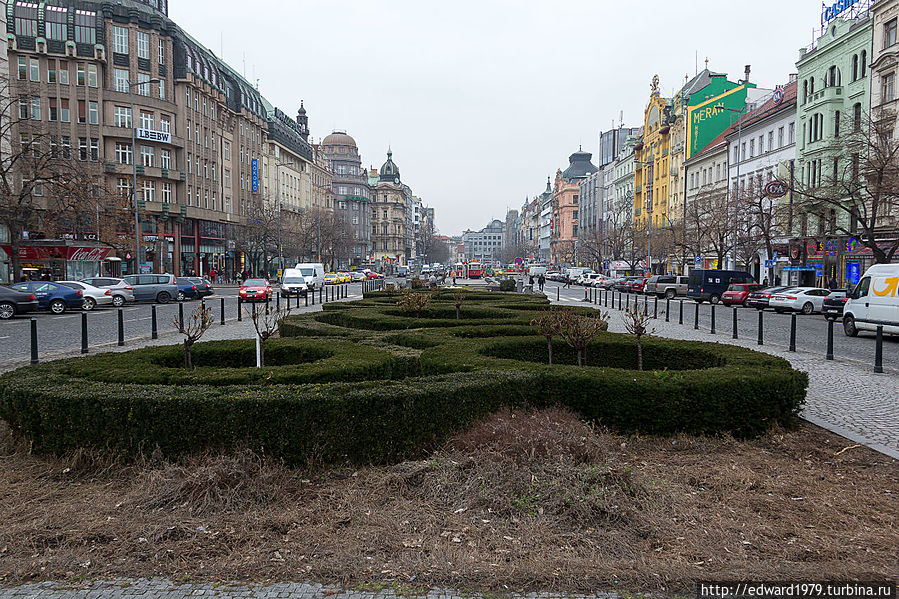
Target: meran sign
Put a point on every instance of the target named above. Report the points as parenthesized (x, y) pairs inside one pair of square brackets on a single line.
[(708, 119)]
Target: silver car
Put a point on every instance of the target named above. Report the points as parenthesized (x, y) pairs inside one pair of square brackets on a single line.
[(153, 288), (93, 296), (120, 289)]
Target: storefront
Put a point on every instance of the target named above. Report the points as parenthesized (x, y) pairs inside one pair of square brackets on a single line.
[(62, 259)]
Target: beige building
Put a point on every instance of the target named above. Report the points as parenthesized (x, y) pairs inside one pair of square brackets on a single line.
[(390, 199)]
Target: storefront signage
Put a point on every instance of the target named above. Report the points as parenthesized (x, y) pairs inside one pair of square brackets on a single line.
[(55, 252), (151, 135), (255, 174), (776, 189), (853, 273), (778, 96)]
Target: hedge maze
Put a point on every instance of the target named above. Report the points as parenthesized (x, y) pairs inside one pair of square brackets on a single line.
[(366, 382)]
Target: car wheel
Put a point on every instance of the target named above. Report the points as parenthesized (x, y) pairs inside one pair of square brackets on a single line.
[(714, 299), (118, 301), (7, 310), (164, 297), (180, 296), (89, 304), (849, 327), (57, 306), (807, 308), (670, 294)]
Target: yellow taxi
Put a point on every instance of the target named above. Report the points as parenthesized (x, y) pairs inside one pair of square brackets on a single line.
[(358, 276), (344, 277), (331, 279)]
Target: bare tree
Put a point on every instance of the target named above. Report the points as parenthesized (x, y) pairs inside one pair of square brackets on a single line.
[(857, 193), (636, 322), (763, 219), (623, 242), (192, 329), (709, 225), (258, 236), (429, 245), (459, 296), (578, 330), (548, 325), (267, 323)]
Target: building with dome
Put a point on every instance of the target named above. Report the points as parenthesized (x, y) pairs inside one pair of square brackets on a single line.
[(392, 238), (565, 207), (350, 192)]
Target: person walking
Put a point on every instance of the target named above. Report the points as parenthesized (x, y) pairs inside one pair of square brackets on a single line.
[(541, 280), (531, 281)]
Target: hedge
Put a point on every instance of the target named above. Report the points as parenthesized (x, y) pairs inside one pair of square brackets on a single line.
[(366, 383)]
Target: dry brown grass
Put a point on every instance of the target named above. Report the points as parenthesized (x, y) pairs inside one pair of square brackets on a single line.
[(526, 500)]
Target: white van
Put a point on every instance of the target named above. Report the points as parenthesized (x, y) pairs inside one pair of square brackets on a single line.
[(301, 278), (535, 270), (875, 300)]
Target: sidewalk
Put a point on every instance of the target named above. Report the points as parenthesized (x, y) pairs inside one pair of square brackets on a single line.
[(844, 397)]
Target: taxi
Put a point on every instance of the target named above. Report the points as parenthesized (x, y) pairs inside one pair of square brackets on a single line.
[(331, 279)]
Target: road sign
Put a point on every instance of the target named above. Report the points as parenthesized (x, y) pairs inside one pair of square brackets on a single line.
[(697, 261), (519, 261), (776, 189), (769, 263)]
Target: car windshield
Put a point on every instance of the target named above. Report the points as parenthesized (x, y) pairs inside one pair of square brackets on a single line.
[(735, 288), (308, 272), (72, 285), (294, 280), (254, 283)]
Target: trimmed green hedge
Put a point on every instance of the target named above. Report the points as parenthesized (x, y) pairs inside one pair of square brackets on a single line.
[(365, 383)]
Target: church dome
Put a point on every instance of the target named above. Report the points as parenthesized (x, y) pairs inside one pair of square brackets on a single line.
[(389, 170), (339, 138)]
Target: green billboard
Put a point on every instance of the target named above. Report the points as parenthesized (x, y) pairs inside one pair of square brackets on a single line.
[(708, 119)]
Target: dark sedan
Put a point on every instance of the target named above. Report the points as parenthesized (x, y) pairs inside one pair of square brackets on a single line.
[(759, 298), (13, 301), (834, 302), (204, 287), (52, 296), (187, 290)]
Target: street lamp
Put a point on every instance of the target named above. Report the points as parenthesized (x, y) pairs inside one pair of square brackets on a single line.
[(137, 244), (737, 182)]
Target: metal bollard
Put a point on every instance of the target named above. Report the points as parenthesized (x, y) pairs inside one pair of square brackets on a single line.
[(222, 309), (239, 309), (735, 322), (761, 327), (667, 309), (645, 305), (84, 332), (655, 307), (154, 330), (313, 296), (696, 318), (557, 293), (306, 298), (878, 350), (33, 340), (793, 332), (829, 355), (713, 319), (680, 318), (181, 313), (121, 327), (321, 291), (627, 302), (278, 302)]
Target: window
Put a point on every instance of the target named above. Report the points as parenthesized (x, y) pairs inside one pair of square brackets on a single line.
[(24, 112), (889, 33), (147, 155), (85, 31), (119, 39), (123, 153), (161, 52), (121, 116), (147, 121), (63, 73), (53, 112), (864, 60), (226, 150), (165, 124), (149, 191), (92, 75), (167, 193), (161, 89), (36, 108), (857, 117), (143, 45), (855, 67), (143, 84), (780, 137), (188, 130), (751, 148), (35, 70), (26, 18), (95, 149), (836, 123), (82, 111), (227, 176), (190, 195), (190, 162), (792, 129), (120, 80), (55, 22), (770, 140), (82, 148), (23, 68), (93, 113), (165, 159), (887, 88)]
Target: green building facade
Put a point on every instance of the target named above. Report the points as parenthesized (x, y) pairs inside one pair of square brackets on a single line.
[(833, 95)]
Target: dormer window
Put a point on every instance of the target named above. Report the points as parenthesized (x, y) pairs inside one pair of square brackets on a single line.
[(26, 19)]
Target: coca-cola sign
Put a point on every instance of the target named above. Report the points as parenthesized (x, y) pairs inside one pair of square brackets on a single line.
[(60, 252), (86, 254)]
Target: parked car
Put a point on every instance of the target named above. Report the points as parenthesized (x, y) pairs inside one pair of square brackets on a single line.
[(874, 301), (799, 299), (609, 282), (121, 291), (759, 299), (637, 284), (14, 301), (709, 285), (52, 296), (331, 278), (834, 303), (302, 278), (255, 290), (204, 287), (738, 293), (93, 296), (344, 277), (187, 289), (624, 284), (153, 288), (669, 286), (358, 276)]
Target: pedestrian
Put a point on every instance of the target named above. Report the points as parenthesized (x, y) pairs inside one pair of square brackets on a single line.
[(832, 284), (540, 281), (531, 281), (432, 281), (454, 280), (567, 281), (765, 282)]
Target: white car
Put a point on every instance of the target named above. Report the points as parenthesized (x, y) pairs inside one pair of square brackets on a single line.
[(799, 299), (93, 296)]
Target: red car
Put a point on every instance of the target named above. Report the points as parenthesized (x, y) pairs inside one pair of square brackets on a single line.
[(737, 293), (638, 285), (255, 290)]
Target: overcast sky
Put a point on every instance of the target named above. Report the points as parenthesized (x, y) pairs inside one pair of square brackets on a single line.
[(481, 100)]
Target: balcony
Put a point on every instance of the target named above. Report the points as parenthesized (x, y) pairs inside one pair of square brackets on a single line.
[(828, 94)]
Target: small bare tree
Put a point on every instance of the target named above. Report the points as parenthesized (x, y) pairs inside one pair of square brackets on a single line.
[(267, 324), (548, 325), (636, 322), (412, 302), (459, 296), (579, 330), (192, 329)]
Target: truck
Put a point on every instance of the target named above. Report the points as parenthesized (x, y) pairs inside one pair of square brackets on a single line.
[(709, 284), (874, 301)]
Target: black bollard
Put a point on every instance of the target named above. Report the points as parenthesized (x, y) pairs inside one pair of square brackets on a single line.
[(321, 292), (33, 340), (222, 308), (278, 302), (557, 293), (680, 318), (627, 302), (645, 305), (239, 309), (121, 327), (696, 318), (306, 298), (735, 322), (154, 330), (667, 309), (713, 319), (793, 332), (878, 350), (313, 297), (655, 307), (761, 327), (181, 313), (829, 355), (84, 332)]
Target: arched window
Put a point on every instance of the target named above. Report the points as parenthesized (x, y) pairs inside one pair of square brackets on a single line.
[(864, 63), (811, 85), (855, 67), (857, 117), (805, 91)]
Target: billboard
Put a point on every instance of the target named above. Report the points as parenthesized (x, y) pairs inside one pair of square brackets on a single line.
[(255, 174), (710, 118)]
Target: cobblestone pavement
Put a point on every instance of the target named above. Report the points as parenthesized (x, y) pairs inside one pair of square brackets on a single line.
[(844, 396), (159, 588)]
